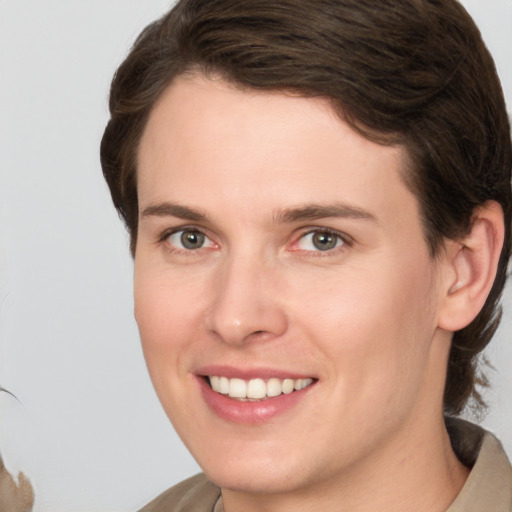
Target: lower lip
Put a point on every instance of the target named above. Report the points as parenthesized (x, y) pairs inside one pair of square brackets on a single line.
[(249, 413)]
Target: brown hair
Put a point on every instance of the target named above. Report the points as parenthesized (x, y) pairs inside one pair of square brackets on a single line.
[(411, 72)]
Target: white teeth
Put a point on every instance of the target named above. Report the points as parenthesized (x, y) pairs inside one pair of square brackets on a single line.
[(256, 389), (223, 385), (214, 382), (274, 387), (237, 388), (302, 383), (288, 386)]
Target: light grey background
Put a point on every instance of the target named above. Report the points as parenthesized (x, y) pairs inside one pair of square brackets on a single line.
[(88, 429)]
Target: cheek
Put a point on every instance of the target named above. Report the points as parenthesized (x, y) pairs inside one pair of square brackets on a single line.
[(165, 322), (166, 302), (166, 315), (374, 323)]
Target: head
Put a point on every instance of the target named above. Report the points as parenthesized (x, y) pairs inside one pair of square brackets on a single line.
[(408, 73)]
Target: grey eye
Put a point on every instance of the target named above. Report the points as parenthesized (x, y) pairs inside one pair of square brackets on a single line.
[(325, 241), (320, 241), (189, 239), (192, 239)]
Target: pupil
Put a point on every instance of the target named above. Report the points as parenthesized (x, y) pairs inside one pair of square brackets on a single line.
[(324, 241), (192, 239)]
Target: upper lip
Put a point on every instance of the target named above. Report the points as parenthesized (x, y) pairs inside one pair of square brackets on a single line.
[(250, 373)]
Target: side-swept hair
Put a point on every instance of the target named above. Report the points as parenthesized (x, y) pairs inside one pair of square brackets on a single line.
[(408, 72)]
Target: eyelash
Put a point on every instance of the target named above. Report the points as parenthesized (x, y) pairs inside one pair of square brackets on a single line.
[(343, 241), (164, 238)]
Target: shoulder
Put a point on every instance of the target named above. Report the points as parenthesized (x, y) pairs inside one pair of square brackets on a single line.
[(196, 494), (489, 485)]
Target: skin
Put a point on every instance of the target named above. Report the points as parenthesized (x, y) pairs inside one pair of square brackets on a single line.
[(363, 319)]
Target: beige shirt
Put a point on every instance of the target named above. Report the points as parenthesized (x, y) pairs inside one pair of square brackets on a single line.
[(489, 485), (487, 489)]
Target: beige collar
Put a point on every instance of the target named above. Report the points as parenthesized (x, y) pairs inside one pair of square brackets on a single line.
[(489, 485)]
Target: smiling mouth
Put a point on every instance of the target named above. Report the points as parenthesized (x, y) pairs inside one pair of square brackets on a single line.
[(256, 389)]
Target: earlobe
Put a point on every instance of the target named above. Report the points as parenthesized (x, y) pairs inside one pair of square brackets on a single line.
[(472, 263)]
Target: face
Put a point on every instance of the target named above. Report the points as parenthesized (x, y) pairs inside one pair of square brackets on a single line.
[(284, 292)]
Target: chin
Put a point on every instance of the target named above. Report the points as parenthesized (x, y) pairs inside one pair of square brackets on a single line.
[(254, 472), (252, 480)]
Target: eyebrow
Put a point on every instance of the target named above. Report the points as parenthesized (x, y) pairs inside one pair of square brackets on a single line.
[(322, 211), (173, 210), (288, 215)]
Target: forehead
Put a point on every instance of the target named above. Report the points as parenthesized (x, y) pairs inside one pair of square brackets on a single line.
[(211, 143)]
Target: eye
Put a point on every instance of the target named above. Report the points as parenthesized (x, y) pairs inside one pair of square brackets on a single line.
[(320, 241), (189, 240)]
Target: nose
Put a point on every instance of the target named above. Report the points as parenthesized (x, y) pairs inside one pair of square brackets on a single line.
[(246, 303)]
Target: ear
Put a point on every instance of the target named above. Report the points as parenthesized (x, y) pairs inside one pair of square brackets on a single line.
[(470, 268)]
